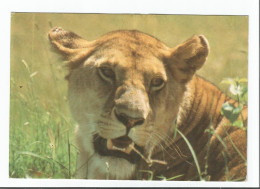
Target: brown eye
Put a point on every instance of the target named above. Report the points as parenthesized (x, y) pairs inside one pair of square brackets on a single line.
[(157, 83), (106, 73)]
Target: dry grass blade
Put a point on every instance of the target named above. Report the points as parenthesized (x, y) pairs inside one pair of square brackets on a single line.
[(171, 178), (193, 154), (238, 151), (33, 155), (147, 171)]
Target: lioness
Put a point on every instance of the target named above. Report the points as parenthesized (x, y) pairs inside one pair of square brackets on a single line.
[(133, 97)]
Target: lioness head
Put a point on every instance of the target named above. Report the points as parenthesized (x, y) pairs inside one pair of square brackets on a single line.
[(125, 89)]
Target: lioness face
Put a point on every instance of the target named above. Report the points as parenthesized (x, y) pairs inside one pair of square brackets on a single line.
[(125, 90), (119, 93)]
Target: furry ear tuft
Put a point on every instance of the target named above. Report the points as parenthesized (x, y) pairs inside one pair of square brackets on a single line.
[(66, 39), (71, 46), (188, 57)]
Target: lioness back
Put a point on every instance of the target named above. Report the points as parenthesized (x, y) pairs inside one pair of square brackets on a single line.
[(141, 109)]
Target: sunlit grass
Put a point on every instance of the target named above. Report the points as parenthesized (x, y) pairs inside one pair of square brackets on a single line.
[(40, 131), (40, 137)]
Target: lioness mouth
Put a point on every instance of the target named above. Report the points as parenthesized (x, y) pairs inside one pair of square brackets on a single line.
[(123, 144), (120, 147)]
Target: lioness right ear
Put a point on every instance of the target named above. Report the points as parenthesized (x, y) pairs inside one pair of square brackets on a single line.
[(188, 57), (71, 46)]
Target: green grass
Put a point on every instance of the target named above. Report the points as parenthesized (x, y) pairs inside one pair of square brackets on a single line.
[(41, 127), (40, 134), (192, 153)]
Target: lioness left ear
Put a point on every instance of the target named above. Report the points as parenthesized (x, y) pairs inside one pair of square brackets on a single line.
[(71, 46), (188, 57)]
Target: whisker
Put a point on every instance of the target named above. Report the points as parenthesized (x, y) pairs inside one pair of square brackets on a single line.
[(157, 142), (168, 144), (163, 138), (172, 141)]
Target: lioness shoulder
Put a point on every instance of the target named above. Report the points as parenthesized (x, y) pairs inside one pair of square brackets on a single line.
[(133, 99)]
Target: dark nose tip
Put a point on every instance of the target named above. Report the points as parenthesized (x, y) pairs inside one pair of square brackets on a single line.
[(129, 121)]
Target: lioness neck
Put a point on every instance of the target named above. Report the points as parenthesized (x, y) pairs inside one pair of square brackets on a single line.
[(199, 110), (197, 106)]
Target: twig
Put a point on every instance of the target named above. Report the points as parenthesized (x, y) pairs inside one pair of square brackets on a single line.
[(148, 160)]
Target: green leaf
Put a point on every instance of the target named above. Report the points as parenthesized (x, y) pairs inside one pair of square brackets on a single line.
[(230, 111), (244, 98), (227, 109), (243, 80), (238, 109), (210, 131), (233, 117), (227, 81), (238, 123), (244, 90)]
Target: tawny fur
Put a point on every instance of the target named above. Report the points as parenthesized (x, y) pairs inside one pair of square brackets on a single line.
[(181, 99)]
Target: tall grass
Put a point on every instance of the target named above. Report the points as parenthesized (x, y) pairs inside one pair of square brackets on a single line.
[(40, 136), (41, 129)]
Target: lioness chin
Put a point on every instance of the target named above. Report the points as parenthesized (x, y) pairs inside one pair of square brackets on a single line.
[(129, 93)]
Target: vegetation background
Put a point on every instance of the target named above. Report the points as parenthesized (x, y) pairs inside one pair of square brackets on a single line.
[(41, 128)]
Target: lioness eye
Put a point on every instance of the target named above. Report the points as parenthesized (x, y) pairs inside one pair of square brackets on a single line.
[(106, 73), (157, 83)]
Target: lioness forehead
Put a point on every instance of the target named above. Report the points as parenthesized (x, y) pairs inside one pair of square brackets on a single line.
[(131, 36), (132, 43), (129, 49), (123, 59)]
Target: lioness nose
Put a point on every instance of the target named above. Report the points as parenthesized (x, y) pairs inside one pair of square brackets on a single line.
[(129, 121)]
